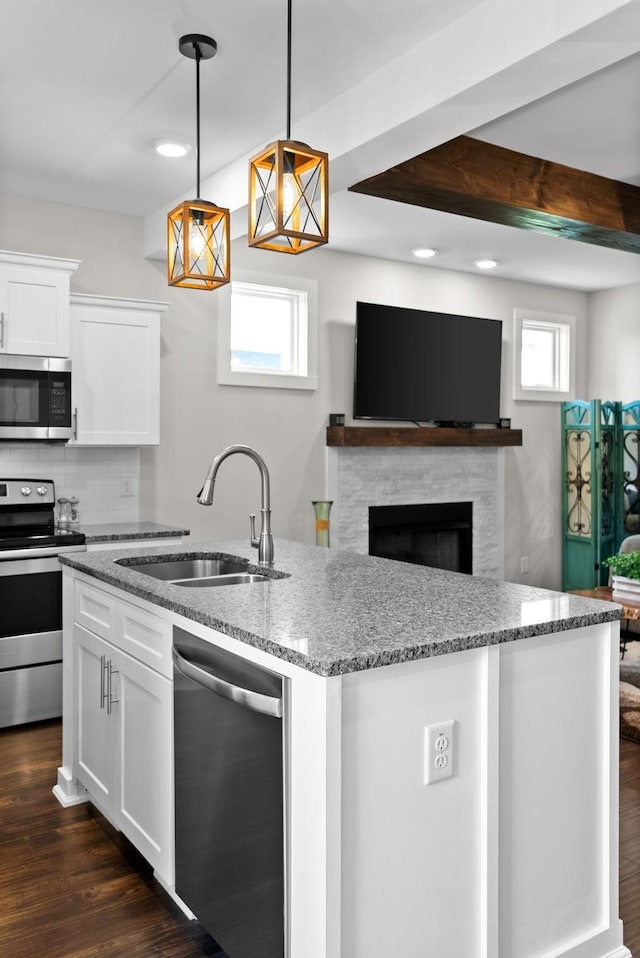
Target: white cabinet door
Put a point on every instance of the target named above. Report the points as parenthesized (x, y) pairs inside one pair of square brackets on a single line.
[(34, 304), (123, 751), (94, 728), (144, 797), (115, 354)]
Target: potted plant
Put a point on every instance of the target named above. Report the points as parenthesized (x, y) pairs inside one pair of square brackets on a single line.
[(625, 574)]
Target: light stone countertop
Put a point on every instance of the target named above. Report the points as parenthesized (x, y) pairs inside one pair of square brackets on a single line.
[(113, 531), (339, 612)]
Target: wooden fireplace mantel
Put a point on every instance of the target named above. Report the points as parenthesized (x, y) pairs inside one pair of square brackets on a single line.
[(420, 436)]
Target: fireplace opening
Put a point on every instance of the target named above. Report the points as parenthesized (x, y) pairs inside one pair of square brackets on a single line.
[(434, 534)]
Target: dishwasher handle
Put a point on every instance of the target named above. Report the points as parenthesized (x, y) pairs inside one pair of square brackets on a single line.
[(255, 701)]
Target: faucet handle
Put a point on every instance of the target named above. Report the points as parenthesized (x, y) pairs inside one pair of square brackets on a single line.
[(255, 542)]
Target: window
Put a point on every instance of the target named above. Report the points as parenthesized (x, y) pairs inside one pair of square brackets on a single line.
[(543, 353), (267, 336)]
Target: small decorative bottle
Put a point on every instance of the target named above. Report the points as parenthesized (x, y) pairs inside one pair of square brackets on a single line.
[(64, 513), (74, 518), (322, 509)]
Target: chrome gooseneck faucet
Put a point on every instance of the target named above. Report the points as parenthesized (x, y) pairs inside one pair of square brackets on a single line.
[(264, 544)]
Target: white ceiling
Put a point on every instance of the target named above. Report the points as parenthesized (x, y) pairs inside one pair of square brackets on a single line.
[(87, 86)]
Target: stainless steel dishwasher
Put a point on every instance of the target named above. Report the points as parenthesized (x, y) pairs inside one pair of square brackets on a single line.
[(229, 718)]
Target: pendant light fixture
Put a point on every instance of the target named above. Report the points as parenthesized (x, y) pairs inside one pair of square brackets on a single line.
[(198, 231), (288, 189)]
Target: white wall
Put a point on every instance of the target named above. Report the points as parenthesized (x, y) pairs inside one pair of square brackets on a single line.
[(290, 428), (199, 418), (614, 331)]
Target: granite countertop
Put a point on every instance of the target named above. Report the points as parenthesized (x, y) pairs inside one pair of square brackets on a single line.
[(112, 531), (339, 612)]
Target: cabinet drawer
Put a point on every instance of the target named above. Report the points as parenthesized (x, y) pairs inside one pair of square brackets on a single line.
[(95, 610), (146, 637)]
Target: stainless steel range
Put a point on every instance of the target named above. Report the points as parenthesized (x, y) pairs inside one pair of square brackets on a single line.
[(31, 601)]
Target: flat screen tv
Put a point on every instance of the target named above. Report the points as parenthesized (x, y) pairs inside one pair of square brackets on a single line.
[(421, 366)]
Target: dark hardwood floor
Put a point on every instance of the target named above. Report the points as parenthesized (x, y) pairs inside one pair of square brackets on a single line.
[(73, 887), (70, 885), (630, 843)]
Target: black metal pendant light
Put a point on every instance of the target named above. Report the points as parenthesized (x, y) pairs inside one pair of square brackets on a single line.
[(198, 231), (288, 189)]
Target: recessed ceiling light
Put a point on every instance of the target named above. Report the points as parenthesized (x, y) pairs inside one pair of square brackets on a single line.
[(424, 252), (486, 263), (171, 148)]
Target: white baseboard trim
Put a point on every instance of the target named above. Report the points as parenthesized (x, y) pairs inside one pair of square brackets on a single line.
[(170, 890), (606, 944), (66, 801), (68, 790)]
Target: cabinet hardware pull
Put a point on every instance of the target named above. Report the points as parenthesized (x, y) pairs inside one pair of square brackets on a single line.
[(110, 700), (1, 330), (255, 701), (103, 665), (75, 423)]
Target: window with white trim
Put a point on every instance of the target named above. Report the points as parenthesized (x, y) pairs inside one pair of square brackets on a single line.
[(268, 334), (543, 356)]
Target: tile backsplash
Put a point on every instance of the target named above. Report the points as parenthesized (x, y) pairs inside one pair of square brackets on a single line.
[(105, 479)]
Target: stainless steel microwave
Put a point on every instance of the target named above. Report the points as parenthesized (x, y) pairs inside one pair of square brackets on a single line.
[(35, 398)]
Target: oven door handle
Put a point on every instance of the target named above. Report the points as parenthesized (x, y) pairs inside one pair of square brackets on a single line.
[(24, 567), (43, 553)]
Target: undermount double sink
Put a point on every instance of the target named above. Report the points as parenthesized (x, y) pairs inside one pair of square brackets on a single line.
[(197, 572)]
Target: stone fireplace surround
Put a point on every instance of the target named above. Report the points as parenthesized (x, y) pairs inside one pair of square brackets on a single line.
[(359, 477)]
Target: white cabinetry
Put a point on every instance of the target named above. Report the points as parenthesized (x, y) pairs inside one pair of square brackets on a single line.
[(123, 751), (34, 304), (525, 830), (115, 354), (95, 738)]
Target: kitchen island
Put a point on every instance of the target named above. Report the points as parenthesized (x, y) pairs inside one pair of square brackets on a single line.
[(514, 854)]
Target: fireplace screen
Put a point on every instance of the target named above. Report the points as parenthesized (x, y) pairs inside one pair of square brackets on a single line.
[(433, 534)]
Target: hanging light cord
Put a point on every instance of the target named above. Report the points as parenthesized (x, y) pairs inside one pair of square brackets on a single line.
[(198, 53), (288, 69)]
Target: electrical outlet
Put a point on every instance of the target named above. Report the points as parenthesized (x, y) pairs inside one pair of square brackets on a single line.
[(127, 486), (524, 565), (438, 751)]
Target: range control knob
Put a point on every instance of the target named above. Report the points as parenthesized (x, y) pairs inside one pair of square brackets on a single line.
[(26, 490), (42, 490)]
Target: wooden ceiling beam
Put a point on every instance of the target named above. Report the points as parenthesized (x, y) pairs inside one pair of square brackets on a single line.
[(472, 178)]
